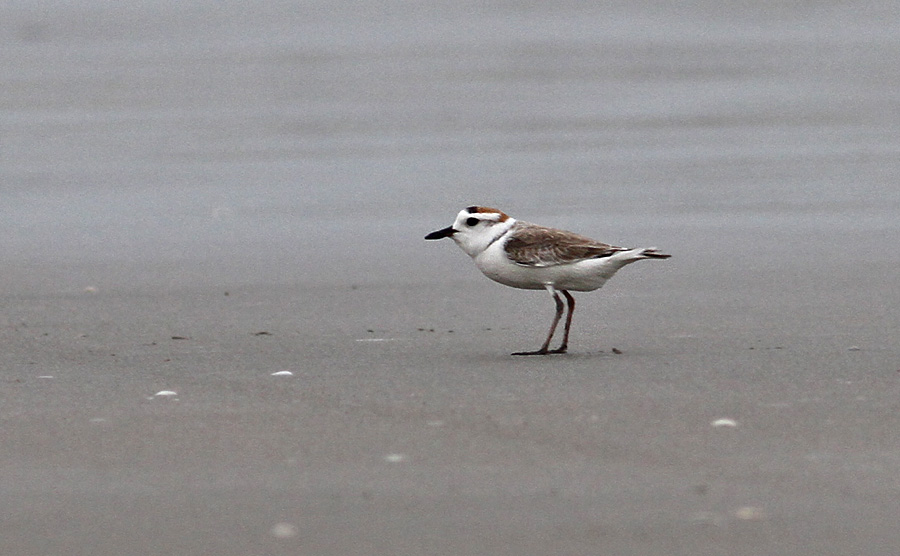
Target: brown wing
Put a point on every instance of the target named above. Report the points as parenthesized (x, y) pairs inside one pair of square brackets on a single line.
[(531, 245)]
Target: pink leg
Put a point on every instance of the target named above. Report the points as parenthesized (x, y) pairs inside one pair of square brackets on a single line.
[(559, 311), (565, 343)]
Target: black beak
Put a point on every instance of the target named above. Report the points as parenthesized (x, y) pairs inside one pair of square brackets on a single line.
[(441, 234)]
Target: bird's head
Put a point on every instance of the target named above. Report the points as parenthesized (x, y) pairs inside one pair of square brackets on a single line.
[(475, 228)]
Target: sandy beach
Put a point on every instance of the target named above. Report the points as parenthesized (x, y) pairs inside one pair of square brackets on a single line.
[(224, 334)]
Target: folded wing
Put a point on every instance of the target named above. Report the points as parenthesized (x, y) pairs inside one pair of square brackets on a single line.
[(531, 245)]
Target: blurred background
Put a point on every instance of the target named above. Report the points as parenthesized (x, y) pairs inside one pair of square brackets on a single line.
[(230, 142)]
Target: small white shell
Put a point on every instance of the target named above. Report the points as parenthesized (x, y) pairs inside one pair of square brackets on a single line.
[(283, 530), (166, 393), (724, 422), (283, 373), (750, 513)]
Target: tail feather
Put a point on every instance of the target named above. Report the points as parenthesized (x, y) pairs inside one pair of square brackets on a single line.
[(652, 253), (628, 256)]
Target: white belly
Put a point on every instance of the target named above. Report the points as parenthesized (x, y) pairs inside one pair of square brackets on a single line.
[(586, 275)]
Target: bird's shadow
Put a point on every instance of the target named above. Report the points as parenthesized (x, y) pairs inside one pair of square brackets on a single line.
[(572, 354), (484, 358)]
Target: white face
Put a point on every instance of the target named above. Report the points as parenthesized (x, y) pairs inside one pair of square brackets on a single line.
[(475, 231)]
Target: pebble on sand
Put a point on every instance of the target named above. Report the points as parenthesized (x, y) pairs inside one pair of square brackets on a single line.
[(724, 422), (283, 531), (750, 513)]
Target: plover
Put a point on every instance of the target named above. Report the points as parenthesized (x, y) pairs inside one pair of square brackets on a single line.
[(532, 257)]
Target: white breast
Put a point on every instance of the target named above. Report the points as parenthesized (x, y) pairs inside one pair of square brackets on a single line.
[(586, 275)]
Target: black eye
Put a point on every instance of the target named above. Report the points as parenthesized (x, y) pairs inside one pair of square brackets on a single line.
[(471, 221)]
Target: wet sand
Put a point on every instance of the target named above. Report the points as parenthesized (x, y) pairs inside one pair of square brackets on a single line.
[(195, 201)]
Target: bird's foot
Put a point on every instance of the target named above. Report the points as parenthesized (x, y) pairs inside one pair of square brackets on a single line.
[(538, 352), (560, 349)]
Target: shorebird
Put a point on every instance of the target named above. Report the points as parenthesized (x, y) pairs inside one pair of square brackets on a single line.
[(532, 257)]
